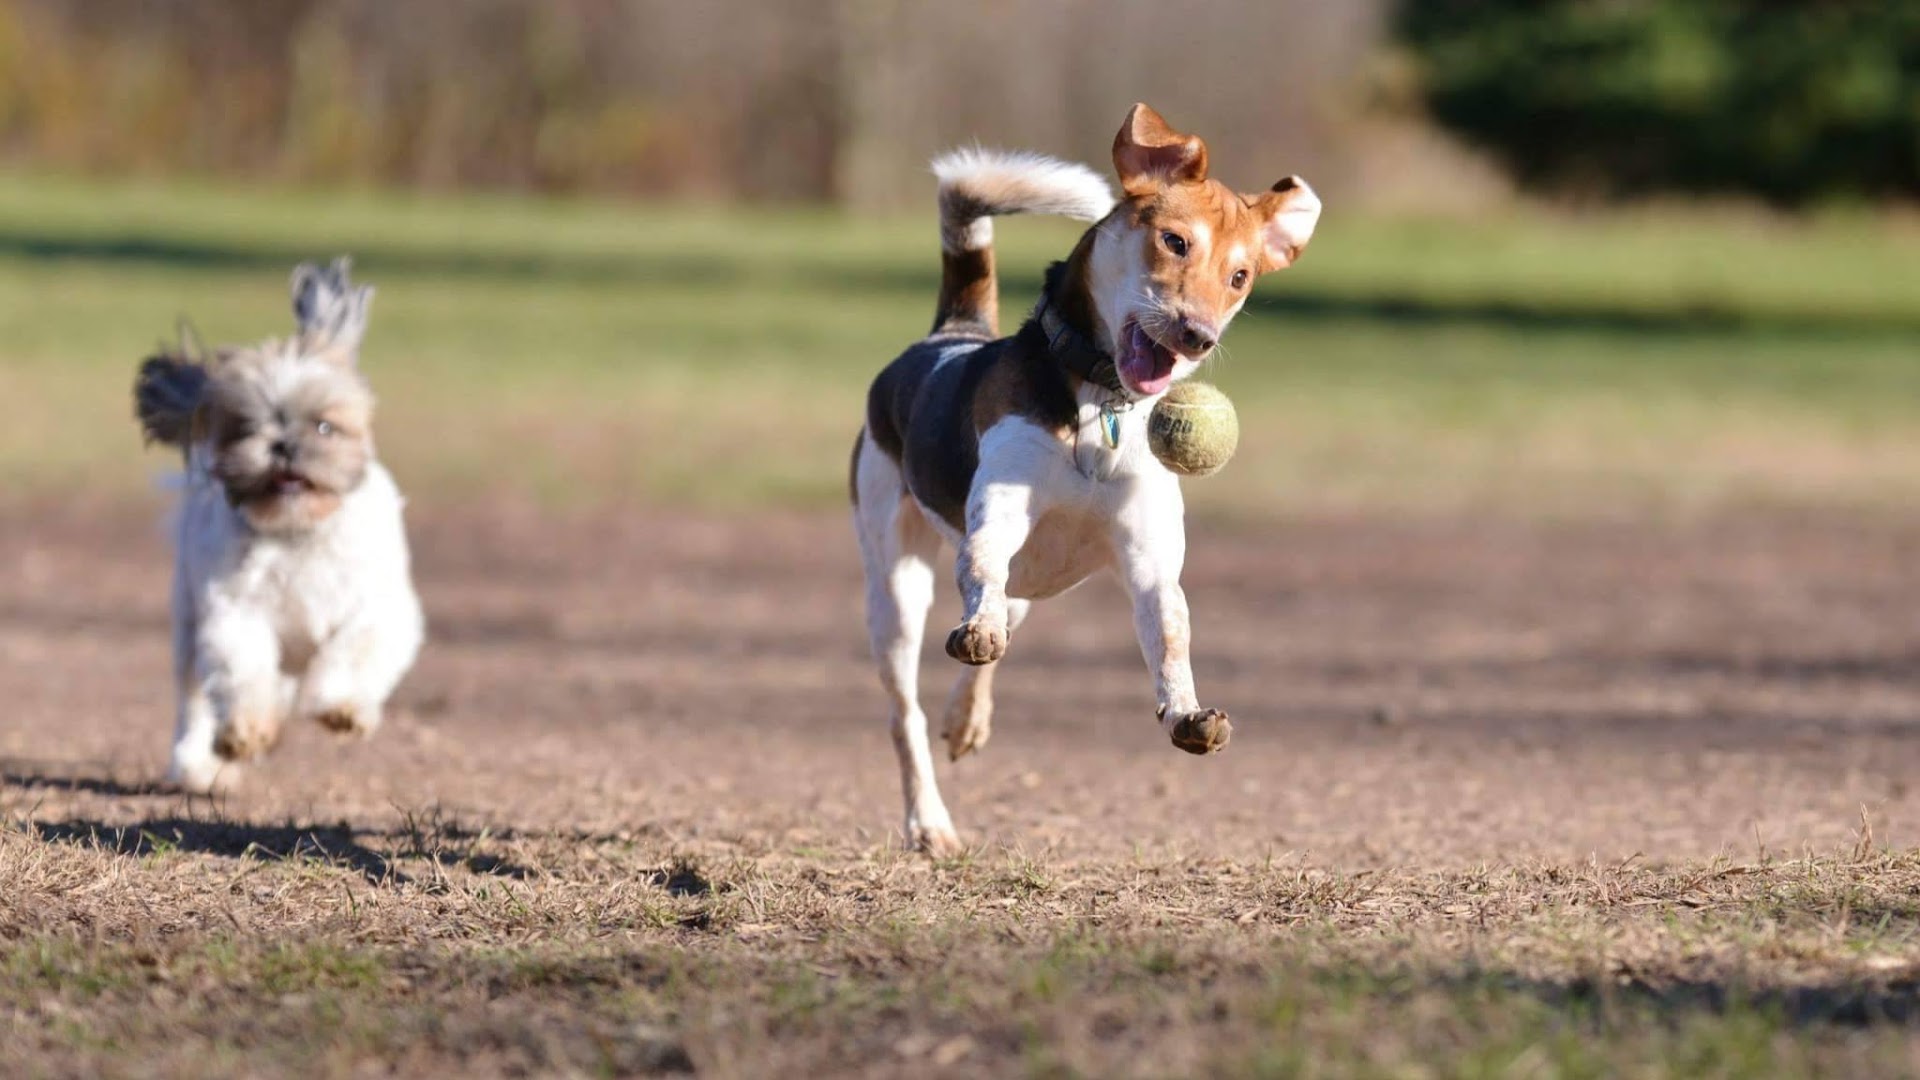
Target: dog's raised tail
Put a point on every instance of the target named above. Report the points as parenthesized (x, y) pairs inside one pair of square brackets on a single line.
[(975, 186), (166, 394)]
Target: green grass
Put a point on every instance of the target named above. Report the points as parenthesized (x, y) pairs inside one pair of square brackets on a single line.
[(583, 352)]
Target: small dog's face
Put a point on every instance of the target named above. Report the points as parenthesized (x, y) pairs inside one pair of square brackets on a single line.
[(289, 423), (1178, 257), (291, 433)]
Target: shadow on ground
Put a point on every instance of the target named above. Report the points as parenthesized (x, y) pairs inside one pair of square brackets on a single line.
[(334, 845), (12, 776), (1835, 1004)]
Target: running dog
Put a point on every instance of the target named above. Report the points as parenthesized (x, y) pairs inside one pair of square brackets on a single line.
[(292, 595), (1028, 454)]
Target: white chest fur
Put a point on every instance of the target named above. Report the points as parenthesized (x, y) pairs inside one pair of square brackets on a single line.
[(301, 588), (1078, 501)]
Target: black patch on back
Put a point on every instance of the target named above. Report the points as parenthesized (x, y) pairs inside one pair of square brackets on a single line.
[(920, 411)]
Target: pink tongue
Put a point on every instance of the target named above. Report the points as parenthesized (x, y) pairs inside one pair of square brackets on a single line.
[(1145, 366)]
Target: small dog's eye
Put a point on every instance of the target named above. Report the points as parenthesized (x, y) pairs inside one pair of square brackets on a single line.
[(324, 427), (1239, 279), (1175, 243)]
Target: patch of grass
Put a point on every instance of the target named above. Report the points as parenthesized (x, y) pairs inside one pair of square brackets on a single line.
[(585, 352)]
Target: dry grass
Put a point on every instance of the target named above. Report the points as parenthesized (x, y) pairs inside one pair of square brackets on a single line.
[(211, 945), (632, 815)]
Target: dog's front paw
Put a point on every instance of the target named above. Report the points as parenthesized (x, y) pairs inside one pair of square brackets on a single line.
[(978, 641), (244, 741), (1202, 731), (347, 720)]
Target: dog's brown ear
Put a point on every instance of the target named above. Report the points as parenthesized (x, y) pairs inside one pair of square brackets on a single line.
[(1290, 211), (1148, 153)]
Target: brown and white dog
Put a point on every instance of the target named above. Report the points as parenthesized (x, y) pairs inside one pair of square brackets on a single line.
[(1029, 453)]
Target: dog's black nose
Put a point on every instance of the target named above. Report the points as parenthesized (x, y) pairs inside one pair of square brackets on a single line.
[(1197, 337), (282, 449)]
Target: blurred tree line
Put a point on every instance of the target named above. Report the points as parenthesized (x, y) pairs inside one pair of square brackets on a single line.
[(797, 100), (817, 100), (1790, 102)]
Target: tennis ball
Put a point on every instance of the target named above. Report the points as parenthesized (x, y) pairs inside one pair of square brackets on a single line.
[(1193, 429)]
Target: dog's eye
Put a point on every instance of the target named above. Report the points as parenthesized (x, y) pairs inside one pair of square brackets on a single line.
[(1175, 243), (1239, 279), (324, 427)]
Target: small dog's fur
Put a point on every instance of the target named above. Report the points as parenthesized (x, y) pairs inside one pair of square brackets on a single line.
[(292, 595), (1002, 446)]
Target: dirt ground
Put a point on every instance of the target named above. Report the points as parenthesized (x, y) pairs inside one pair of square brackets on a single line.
[(1446, 693), (623, 705)]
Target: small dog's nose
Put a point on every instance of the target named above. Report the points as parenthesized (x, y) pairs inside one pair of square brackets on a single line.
[(282, 449), (1197, 337)]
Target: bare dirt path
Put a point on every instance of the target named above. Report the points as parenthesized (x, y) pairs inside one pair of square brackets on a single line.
[(1440, 694)]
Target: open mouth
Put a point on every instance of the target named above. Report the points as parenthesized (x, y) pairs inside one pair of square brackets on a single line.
[(286, 483), (1145, 365)]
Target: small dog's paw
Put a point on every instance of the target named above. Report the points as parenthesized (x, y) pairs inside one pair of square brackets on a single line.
[(1202, 731), (347, 720), (340, 721), (244, 742), (978, 641)]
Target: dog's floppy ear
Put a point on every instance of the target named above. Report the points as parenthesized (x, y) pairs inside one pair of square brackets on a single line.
[(330, 310), (1289, 213), (1148, 153)]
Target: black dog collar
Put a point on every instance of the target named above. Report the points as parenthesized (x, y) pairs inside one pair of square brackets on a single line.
[(1071, 348)]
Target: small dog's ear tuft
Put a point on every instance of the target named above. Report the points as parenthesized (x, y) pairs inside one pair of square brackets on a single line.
[(167, 395), (190, 346), (1148, 153), (330, 311)]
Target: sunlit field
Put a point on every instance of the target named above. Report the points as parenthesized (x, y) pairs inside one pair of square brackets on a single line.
[(1562, 595), (601, 353)]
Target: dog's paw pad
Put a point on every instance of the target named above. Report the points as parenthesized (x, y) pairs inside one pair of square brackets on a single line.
[(977, 642), (1203, 731), (243, 744), (341, 721), (348, 720)]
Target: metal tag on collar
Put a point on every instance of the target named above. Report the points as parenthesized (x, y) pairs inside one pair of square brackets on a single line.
[(1110, 424)]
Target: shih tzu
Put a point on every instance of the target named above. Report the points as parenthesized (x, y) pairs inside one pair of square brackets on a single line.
[(292, 596)]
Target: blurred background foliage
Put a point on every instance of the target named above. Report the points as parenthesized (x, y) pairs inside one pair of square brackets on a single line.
[(1790, 102), (809, 101), (843, 100)]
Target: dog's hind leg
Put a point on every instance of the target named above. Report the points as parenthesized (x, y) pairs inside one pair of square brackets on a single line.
[(968, 722), (897, 547)]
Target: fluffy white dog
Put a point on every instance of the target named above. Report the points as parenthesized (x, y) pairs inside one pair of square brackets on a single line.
[(292, 595)]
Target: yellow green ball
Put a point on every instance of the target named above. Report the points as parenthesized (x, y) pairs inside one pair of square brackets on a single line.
[(1193, 430)]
